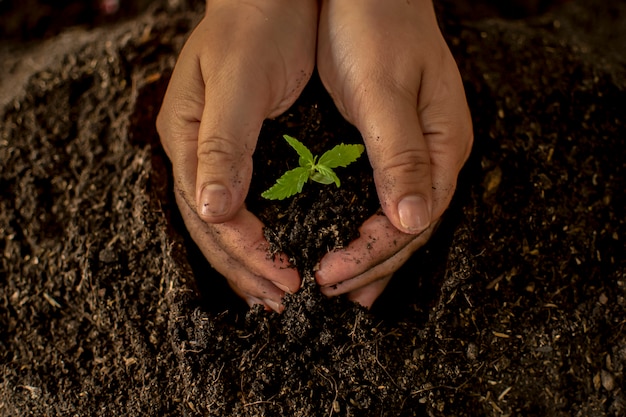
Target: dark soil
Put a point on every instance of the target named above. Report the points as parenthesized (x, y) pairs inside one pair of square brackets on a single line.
[(322, 217), (517, 305)]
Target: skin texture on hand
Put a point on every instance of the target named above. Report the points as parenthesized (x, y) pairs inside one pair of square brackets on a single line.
[(390, 73), (246, 61)]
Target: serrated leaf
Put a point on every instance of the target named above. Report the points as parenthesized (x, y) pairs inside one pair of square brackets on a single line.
[(341, 155), (325, 175), (306, 157), (290, 183)]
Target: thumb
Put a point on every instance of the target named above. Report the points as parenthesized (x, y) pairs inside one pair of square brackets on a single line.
[(400, 158), (231, 121)]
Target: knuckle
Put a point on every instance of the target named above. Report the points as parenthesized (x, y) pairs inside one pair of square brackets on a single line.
[(469, 143), (216, 148), (160, 123), (163, 125), (461, 140), (406, 162)]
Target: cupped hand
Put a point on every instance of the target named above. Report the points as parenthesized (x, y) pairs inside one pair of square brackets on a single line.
[(245, 61), (391, 74)]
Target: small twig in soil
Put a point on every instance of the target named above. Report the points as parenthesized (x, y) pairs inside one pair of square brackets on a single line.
[(269, 401), (335, 407), (504, 393), (260, 402), (458, 387), (217, 377), (259, 352), (383, 368), (51, 300)]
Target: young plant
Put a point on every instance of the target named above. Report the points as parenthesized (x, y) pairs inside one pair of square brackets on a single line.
[(312, 168)]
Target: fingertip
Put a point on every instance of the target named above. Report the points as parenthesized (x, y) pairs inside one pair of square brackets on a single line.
[(368, 294), (267, 303), (323, 277), (284, 275), (329, 291), (273, 305), (285, 288), (252, 301)]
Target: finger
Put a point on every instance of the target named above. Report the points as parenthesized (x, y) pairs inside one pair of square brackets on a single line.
[(252, 277), (231, 122), (252, 301), (178, 122), (250, 80), (399, 156), (368, 294), (390, 264), (379, 240), (447, 125), (252, 288), (242, 238), (378, 95)]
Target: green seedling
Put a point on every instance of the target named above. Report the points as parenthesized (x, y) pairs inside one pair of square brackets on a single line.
[(312, 168)]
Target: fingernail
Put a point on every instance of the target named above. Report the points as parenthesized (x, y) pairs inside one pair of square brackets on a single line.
[(252, 301), (414, 213), (273, 305), (214, 200), (282, 287)]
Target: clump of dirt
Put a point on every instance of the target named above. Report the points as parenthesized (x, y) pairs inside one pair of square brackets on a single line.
[(517, 305)]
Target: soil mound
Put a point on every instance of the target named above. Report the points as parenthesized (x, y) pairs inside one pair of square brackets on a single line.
[(516, 306)]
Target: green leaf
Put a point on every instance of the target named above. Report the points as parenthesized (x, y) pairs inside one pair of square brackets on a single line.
[(306, 157), (341, 155), (289, 184), (325, 175), (292, 182)]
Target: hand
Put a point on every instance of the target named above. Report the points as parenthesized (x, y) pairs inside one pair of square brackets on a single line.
[(246, 61), (391, 74)]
